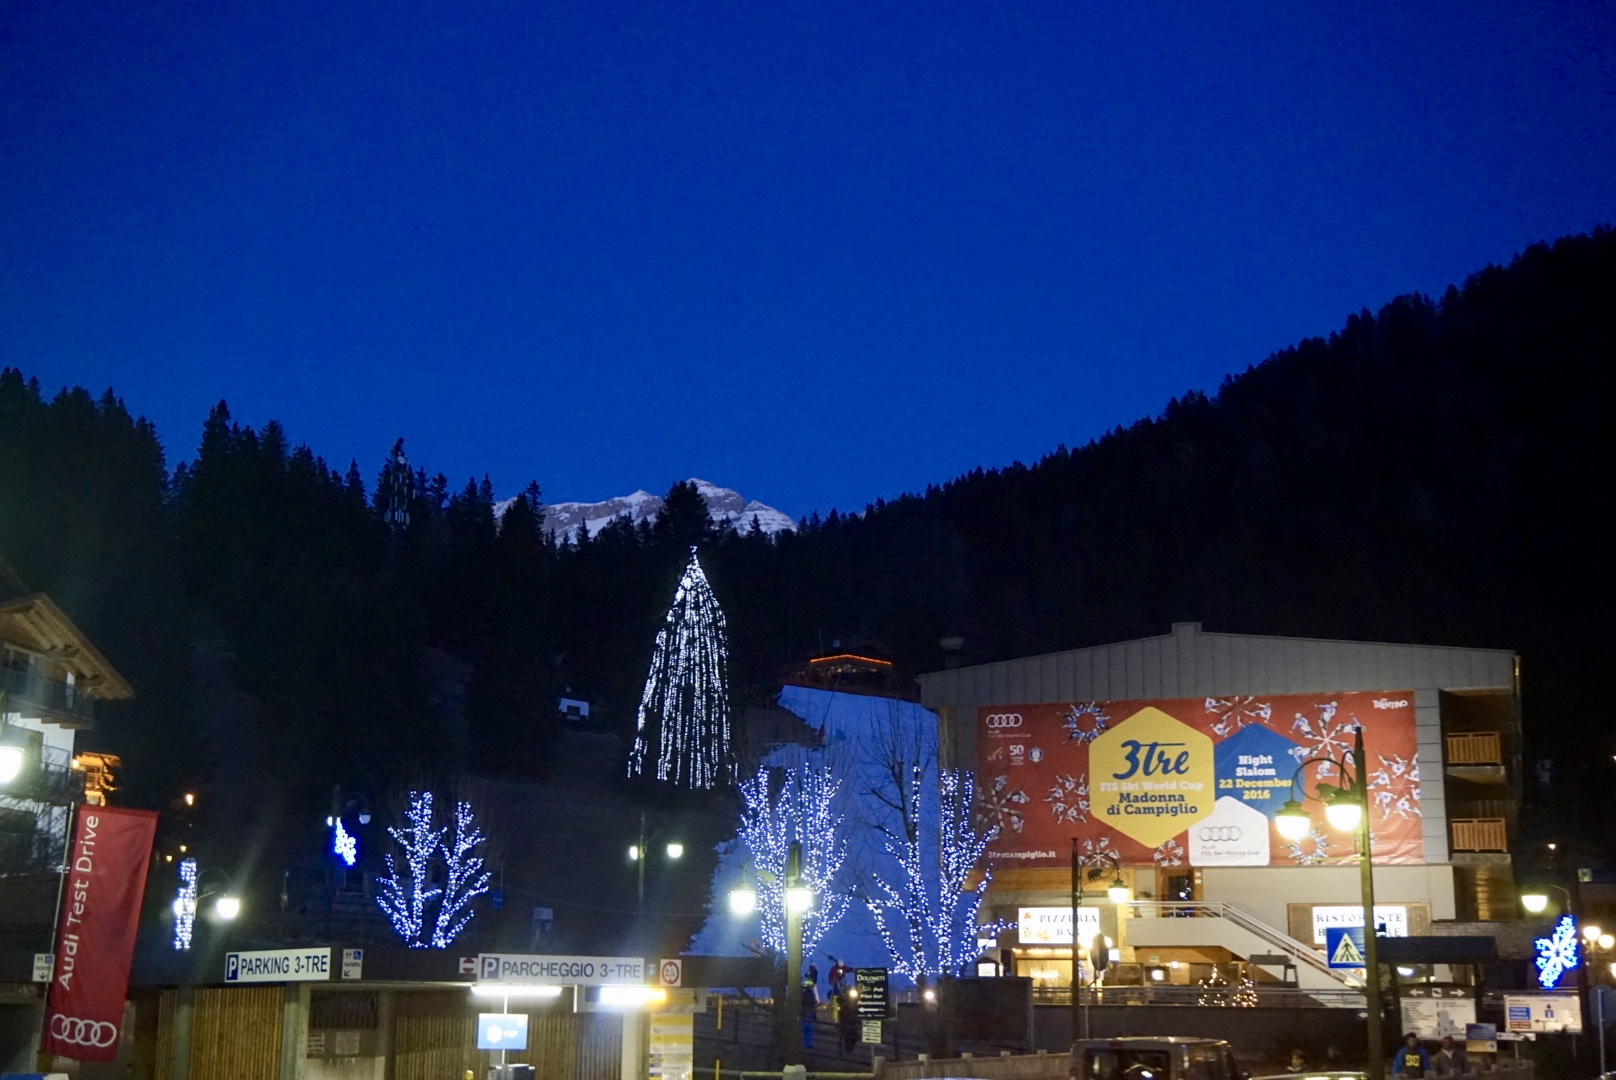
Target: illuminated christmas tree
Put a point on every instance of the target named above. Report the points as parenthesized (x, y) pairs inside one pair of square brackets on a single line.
[(683, 721)]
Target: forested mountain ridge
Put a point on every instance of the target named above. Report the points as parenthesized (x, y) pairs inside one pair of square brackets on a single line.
[(1437, 472)]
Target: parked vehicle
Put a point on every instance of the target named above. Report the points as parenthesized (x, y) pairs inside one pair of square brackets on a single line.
[(1172, 1057)]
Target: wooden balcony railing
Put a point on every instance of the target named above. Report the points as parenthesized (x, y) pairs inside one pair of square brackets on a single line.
[(1479, 834), (1475, 748)]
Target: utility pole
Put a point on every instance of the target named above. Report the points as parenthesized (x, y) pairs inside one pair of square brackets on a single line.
[(1366, 872)]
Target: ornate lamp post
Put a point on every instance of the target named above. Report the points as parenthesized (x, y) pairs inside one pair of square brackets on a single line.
[(1347, 809), (1117, 891), (799, 899)]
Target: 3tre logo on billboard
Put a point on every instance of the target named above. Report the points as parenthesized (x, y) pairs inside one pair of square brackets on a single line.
[(1186, 781)]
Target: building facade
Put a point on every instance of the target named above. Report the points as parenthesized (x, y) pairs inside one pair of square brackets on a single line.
[(1158, 766)]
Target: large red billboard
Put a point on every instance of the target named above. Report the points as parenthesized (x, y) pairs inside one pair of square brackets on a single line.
[(1194, 781), (95, 932)]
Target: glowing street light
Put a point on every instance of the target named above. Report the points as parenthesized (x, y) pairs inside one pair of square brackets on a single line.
[(1346, 809)]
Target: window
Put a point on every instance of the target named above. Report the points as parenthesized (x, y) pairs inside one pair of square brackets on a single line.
[(1127, 1065)]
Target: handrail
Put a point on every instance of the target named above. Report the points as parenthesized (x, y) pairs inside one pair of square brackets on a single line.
[(1301, 952)]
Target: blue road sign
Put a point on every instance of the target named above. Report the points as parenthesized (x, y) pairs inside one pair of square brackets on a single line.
[(1344, 946)]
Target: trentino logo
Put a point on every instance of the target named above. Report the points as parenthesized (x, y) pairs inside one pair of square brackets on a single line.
[(1390, 703)]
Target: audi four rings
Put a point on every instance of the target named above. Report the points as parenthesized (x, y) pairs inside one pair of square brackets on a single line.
[(1004, 720), (1219, 832), (77, 1032)]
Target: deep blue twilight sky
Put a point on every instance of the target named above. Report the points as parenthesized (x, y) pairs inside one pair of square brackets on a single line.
[(818, 252)]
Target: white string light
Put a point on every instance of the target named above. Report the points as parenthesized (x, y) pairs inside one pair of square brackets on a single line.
[(801, 810), (185, 905), (467, 878), (927, 917), (684, 708), (404, 897)]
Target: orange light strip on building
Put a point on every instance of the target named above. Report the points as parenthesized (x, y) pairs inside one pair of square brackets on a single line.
[(850, 656)]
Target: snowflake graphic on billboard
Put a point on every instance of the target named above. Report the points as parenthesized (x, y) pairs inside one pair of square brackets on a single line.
[(1069, 799), (1085, 721), (1170, 853), (1000, 805), (1231, 714), (1093, 851), (1396, 786), (1323, 737), (1311, 849)]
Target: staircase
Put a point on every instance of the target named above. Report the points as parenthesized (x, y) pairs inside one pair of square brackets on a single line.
[(1219, 925)]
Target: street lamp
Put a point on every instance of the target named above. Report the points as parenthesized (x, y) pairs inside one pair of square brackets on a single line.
[(1117, 891), (1346, 807), (797, 899), (637, 853)]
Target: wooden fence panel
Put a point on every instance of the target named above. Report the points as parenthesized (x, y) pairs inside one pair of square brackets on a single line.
[(434, 1035), (236, 1033)]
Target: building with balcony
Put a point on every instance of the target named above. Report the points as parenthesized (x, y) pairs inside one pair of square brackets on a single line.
[(51, 678), (1234, 725)]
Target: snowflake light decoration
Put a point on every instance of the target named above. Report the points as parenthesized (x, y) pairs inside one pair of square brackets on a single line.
[(1557, 953), (1069, 799), (344, 844), (1085, 721)]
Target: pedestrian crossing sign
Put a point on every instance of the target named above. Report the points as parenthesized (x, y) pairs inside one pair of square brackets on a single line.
[(1344, 946)]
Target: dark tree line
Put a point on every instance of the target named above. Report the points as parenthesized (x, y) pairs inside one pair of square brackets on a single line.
[(1435, 472)]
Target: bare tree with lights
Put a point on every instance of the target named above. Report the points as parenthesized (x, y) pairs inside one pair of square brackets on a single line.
[(926, 907), (801, 808), (407, 895)]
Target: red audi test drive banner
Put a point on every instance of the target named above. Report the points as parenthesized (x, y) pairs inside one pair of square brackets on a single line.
[(95, 932)]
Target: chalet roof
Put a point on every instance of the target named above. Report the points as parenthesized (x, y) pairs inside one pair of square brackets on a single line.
[(34, 621)]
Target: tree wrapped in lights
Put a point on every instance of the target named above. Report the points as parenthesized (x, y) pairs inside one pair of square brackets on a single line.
[(926, 912), (466, 878), (406, 892), (802, 809), (683, 720)]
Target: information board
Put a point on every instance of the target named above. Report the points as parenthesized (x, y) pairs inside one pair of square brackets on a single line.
[(871, 984)]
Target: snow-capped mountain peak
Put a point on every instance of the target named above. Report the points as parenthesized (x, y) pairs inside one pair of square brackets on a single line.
[(723, 504)]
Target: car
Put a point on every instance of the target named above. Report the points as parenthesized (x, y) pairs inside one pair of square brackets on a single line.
[(1172, 1057)]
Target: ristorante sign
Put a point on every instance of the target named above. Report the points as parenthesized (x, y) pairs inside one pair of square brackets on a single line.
[(1192, 781), (95, 932)]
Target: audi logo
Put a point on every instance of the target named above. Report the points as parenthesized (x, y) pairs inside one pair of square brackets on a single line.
[(1004, 720), (77, 1032), (1219, 832)]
